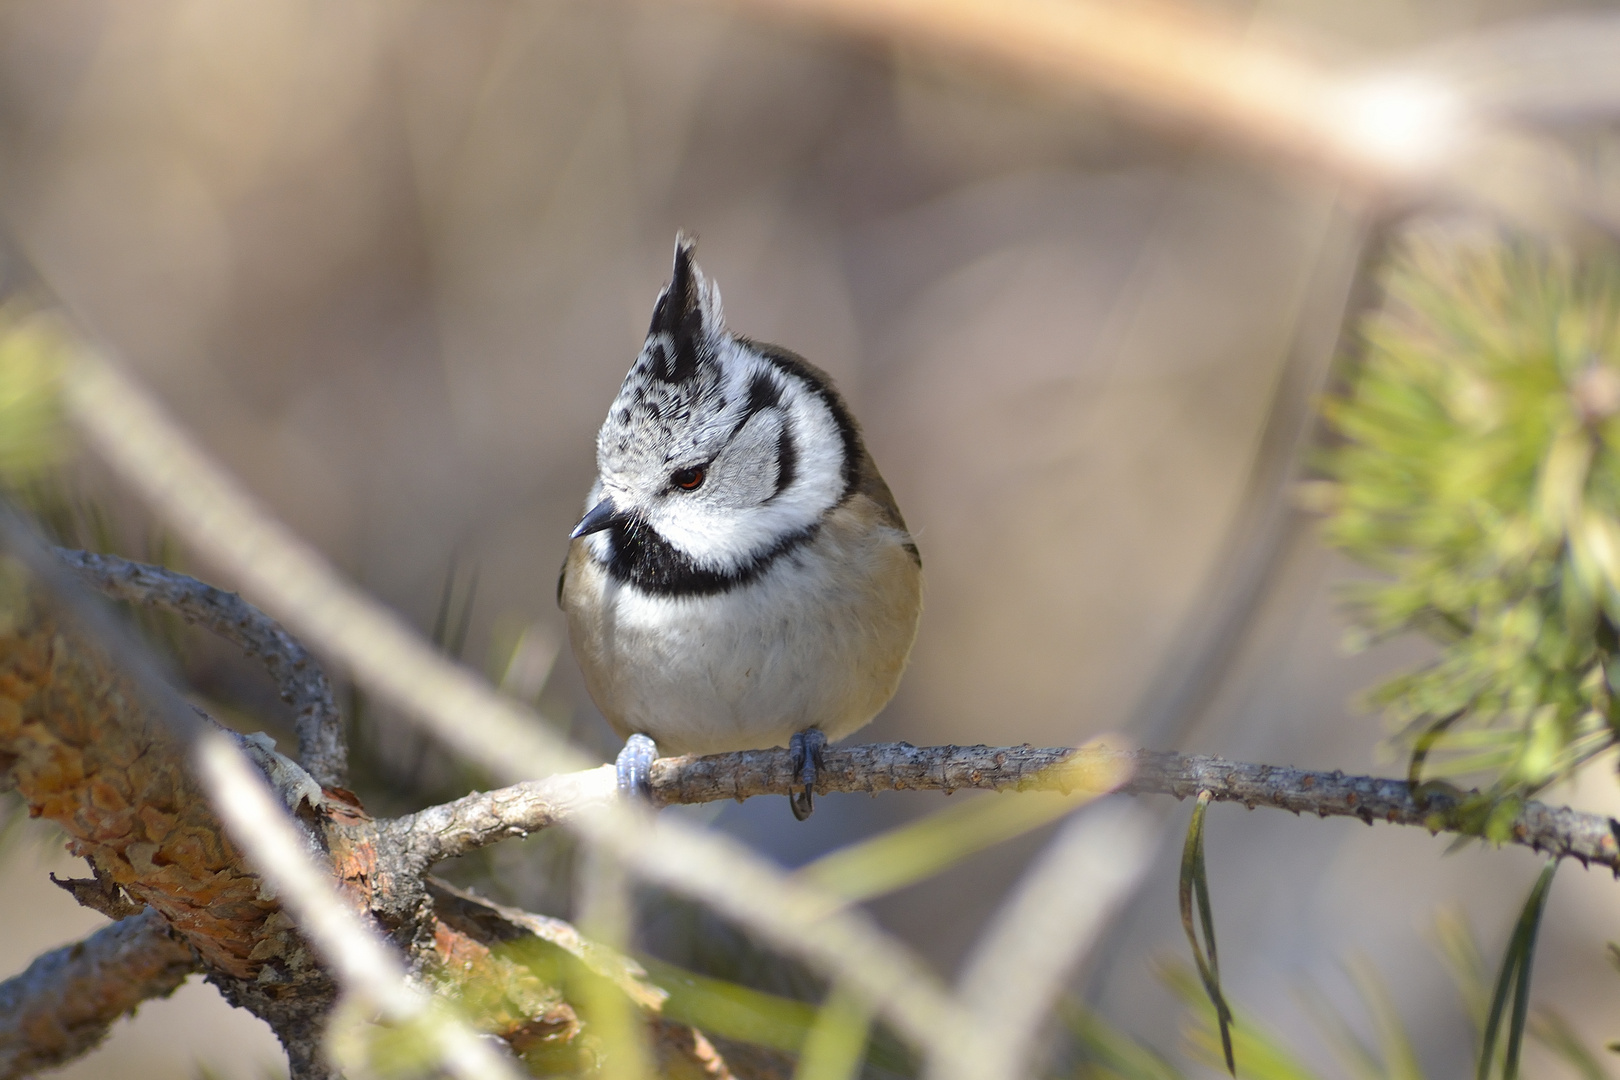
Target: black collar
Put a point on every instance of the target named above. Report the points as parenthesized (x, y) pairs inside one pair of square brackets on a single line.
[(641, 557)]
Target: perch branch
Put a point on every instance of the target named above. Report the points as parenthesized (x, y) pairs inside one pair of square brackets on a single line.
[(485, 817), (66, 1001), (454, 828), (303, 685)]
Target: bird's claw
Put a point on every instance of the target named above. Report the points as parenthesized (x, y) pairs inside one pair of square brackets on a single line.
[(806, 747), (634, 767)]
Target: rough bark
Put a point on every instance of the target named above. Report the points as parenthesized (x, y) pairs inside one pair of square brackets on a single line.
[(67, 999), (86, 749), (89, 746)]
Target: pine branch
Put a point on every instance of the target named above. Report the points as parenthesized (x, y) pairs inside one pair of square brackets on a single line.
[(381, 864), (303, 685), (480, 819), (124, 750), (90, 748), (65, 1002), (107, 754)]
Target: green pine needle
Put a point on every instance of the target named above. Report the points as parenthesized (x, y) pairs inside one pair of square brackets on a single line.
[(1195, 886), (1478, 467), (1514, 982)]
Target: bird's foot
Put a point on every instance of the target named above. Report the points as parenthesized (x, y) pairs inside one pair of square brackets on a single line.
[(806, 747), (634, 766)]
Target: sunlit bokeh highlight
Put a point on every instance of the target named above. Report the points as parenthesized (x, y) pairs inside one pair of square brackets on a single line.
[(1404, 124)]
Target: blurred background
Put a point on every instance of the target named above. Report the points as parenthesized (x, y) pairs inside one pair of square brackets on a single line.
[(389, 263)]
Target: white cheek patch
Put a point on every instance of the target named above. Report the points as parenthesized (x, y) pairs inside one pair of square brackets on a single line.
[(745, 472), (820, 448)]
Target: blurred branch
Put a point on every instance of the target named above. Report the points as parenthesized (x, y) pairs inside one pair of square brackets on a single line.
[(1267, 524), (1171, 60), (475, 935), (1411, 129), (303, 685), (1044, 929), (67, 999), (494, 923), (485, 818)]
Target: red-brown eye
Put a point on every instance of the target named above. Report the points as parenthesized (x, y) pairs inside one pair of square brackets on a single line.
[(687, 479)]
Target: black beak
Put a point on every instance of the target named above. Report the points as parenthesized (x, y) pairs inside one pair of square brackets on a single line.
[(604, 515)]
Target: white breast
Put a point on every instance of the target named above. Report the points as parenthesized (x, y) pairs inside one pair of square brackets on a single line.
[(818, 641)]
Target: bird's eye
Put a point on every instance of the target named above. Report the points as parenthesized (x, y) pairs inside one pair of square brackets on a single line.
[(687, 479)]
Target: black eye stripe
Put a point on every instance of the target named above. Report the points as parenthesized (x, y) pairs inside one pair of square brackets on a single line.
[(787, 461), (763, 393), (816, 382)]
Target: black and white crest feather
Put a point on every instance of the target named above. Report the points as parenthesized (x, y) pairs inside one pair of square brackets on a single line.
[(685, 320), (775, 445)]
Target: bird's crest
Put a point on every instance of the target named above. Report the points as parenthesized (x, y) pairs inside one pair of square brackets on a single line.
[(688, 312)]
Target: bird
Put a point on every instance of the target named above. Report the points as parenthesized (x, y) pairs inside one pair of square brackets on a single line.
[(742, 577)]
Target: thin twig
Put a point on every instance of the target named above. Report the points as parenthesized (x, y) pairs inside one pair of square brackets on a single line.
[(484, 818), (322, 749), (67, 999)]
